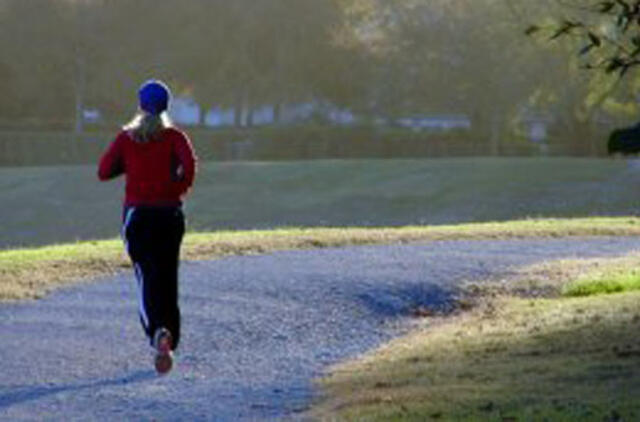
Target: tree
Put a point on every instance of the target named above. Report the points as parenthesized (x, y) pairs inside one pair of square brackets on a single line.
[(379, 58), (609, 30), (603, 37), (440, 56), (74, 54), (40, 82)]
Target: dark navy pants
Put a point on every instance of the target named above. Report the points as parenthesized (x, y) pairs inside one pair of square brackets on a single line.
[(153, 236)]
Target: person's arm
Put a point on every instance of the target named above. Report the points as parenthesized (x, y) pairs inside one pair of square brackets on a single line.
[(187, 162), (112, 161)]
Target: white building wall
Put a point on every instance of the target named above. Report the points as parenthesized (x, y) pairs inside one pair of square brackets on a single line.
[(218, 117), (264, 115), (185, 111)]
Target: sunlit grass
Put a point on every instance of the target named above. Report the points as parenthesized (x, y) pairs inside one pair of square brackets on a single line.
[(615, 283)]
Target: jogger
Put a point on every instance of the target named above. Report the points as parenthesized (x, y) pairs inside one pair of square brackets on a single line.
[(159, 164)]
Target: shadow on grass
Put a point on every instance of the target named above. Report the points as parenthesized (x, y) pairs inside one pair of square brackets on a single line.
[(571, 360), (29, 393)]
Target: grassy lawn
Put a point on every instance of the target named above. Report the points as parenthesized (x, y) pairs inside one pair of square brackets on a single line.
[(571, 356), (46, 205)]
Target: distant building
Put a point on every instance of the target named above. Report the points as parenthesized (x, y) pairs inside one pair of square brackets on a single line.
[(219, 117), (303, 112), (185, 111), (536, 126), (296, 113), (340, 117), (91, 115), (437, 122), (260, 116), (264, 115)]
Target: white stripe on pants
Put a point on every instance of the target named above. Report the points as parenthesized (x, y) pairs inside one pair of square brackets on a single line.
[(141, 306)]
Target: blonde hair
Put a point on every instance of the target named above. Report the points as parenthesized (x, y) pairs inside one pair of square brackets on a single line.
[(144, 126)]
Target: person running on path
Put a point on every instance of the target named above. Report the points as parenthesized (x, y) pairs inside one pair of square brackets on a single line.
[(159, 164)]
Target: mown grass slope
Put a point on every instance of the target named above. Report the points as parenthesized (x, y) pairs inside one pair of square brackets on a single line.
[(44, 205)]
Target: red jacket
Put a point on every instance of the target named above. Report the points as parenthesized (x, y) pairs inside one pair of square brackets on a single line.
[(158, 172)]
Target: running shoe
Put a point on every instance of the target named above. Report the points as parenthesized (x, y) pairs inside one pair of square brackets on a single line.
[(162, 342)]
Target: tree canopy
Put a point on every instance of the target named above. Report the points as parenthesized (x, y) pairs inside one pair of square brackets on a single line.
[(379, 58)]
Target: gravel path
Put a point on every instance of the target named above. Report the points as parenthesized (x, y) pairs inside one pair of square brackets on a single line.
[(256, 329)]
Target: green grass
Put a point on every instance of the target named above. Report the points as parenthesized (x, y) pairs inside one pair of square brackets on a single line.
[(509, 359), (63, 204), (616, 283)]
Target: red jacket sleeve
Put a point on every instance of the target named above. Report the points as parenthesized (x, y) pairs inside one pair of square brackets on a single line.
[(112, 160), (187, 160)]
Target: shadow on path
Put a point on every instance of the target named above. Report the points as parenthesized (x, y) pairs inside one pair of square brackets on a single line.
[(397, 301), (28, 393)]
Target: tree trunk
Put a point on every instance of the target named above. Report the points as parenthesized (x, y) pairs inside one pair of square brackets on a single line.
[(249, 122), (80, 82), (277, 112), (496, 133), (237, 112)]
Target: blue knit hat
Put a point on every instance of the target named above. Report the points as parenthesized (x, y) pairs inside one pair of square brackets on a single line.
[(154, 96)]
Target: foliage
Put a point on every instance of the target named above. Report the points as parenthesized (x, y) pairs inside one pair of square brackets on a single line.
[(610, 31), (587, 35), (96, 52)]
